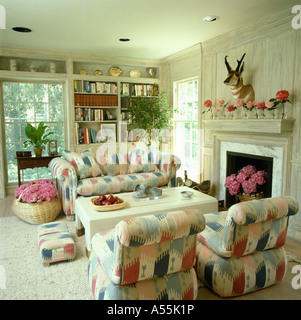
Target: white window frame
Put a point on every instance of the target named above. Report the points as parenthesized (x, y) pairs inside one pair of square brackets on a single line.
[(195, 173)]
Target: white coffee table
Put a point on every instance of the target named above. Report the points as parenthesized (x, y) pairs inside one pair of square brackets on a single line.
[(90, 221)]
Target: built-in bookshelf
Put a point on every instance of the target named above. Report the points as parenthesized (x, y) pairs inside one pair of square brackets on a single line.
[(95, 102)]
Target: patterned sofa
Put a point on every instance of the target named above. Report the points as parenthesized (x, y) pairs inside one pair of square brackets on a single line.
[(89, 173)]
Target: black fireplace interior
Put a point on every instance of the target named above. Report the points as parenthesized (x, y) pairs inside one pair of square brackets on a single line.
[(236, 161)]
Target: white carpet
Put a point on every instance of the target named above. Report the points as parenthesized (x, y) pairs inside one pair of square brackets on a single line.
[(26, 277)]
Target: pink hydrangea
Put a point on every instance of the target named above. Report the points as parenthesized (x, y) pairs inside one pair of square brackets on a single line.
[(248, 178), (36, 191)]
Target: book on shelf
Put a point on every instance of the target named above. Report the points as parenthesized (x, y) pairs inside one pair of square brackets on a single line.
[(94, 100), (139, 90), (88, 114), (84, 135), (83, 86)]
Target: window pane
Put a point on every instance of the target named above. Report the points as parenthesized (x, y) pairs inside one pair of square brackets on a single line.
[(12, 133), (55, 93), (11, 112), (27, 112), (10, 91), (26, 92), (56, 112), (41, 92), (42, 112)]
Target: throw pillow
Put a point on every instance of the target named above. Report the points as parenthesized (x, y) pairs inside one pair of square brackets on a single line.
[(84, 163)]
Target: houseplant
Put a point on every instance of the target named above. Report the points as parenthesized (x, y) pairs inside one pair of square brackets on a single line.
[(37, 137), (150, 113), (246, 183), (36, 202)]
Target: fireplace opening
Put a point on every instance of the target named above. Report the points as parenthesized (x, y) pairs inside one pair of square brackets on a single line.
[(236, 161)]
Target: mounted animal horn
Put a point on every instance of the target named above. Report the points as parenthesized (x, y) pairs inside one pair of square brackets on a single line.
[(239, 62), (227, 64)]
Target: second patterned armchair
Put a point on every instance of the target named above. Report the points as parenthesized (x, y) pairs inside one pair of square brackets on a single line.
[(149, 257), (241, 250)]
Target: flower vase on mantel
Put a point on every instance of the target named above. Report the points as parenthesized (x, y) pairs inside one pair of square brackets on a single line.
[(278, 112), (221, 114), (288, 111), (269, 113), (251, 114), (260, 114)]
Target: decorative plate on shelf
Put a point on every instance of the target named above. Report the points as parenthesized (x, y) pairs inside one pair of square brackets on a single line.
[(115, 71), (97, 73), (135, 74), (83, 72)]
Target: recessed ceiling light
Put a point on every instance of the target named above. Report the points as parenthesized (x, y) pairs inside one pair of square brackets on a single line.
[(21, 29), (211, 18), (124, 39)]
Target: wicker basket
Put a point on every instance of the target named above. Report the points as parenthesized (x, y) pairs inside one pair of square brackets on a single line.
[(248, 197), (37, 212)]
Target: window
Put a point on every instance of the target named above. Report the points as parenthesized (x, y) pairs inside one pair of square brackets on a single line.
[(30, 102), (186, 127)]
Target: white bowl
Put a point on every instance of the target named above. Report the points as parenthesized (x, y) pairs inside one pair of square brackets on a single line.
[(186, 194)]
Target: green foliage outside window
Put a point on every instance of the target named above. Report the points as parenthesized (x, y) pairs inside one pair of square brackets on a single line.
[(32, 103)]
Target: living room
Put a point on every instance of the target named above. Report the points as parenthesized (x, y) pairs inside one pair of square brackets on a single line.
[(270, 37)]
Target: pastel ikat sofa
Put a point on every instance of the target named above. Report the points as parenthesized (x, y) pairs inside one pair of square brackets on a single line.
[(89, 173)]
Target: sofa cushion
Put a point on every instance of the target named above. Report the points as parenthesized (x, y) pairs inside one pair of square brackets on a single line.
[(84, 163), (120, 183), (141, 161)]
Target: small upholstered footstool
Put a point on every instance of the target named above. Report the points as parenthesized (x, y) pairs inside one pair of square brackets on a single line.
[(55, 243)]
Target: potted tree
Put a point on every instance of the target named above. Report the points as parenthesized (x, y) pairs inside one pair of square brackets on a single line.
[(150, 113), (37, 137)]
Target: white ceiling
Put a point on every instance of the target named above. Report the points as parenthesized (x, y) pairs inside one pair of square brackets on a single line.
[(157, 28)]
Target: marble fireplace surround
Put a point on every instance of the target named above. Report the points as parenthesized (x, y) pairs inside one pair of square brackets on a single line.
[(277, 146)]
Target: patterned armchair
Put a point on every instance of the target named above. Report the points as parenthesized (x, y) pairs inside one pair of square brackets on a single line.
[(241, 250), (150, 257)]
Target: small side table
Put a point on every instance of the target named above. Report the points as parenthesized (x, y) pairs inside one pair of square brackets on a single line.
[(32, 162)]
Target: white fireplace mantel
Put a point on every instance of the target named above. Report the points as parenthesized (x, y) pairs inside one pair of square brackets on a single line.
[(251, 125)]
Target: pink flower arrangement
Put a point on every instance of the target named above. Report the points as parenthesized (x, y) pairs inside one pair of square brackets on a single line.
[(281, 97), (239, 103), (231, 108), (247, 178), (209, 106), (261, 105), (36, 191)]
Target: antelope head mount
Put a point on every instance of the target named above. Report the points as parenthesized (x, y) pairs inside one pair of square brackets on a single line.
[(235, 81)]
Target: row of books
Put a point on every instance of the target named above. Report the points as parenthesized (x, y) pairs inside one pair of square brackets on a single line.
[(139, 90), (83, 86), (89, 114), (85, 136), (126, 117), (95, 100)]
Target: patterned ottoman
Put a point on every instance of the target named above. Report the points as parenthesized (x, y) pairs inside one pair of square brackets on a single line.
[(55, 243)]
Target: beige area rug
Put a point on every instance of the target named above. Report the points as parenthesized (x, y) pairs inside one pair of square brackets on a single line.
[(25, 276)]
